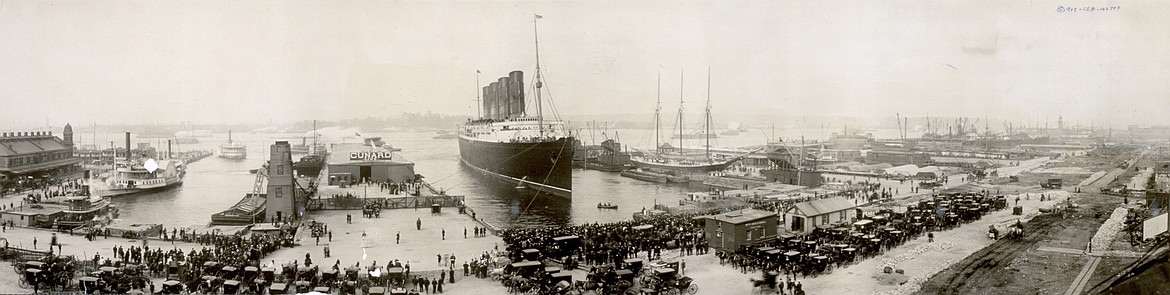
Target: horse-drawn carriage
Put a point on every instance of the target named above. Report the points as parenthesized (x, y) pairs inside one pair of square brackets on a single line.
[(1012, 232), (49, 273), (228, 272), (209, 284), (231, 286), (667, 281), (33, 278), (211, 268), (172, 287), (174, 270), (328, 277), (307, 273), (610, 279), (1015, 231), (278, 288), (302, 286), (349, 287), (396, 276)]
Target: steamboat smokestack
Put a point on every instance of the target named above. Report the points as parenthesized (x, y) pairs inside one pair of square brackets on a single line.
[(127, 146)]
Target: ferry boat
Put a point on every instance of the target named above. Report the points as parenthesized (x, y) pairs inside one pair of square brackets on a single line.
[(233, 150), (509, 144), (134, 176)]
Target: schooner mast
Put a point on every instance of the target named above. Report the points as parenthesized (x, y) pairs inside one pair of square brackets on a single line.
[(657, 119), (681, 79)]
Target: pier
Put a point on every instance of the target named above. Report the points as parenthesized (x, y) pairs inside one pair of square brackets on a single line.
[(365, 194)]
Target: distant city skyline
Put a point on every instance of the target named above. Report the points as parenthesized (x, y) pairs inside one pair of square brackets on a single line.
[(118, 62), (814, 125)]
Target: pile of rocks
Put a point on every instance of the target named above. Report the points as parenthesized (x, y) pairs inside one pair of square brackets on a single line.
[(1140, 181), (920, 276), (913, 253), (1108, 230)]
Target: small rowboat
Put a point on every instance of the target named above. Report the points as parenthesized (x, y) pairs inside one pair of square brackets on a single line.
[(606, 206)]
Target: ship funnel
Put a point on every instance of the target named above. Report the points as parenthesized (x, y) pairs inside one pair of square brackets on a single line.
[(168, 148), (127, 146)]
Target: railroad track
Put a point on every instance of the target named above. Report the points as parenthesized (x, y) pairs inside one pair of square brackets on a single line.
[(980, 265)]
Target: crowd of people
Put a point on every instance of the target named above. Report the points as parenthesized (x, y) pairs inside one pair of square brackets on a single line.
[(610, 242), (375, 274), (46, 186), (40, 190), (225, 249), (401, 187)]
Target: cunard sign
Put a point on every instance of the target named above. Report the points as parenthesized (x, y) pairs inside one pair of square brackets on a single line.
[(369, 156)]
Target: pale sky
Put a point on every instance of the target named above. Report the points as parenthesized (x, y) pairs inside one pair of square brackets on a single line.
[(252, 61)]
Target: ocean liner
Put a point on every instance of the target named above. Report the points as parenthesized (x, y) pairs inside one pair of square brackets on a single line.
[(509, 144)]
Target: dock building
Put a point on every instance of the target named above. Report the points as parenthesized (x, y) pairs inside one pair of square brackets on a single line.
[(351, 163), (728, 231), (38, 155)]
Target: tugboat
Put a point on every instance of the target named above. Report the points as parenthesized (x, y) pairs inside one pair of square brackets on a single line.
[(310, 165), (85, 209)]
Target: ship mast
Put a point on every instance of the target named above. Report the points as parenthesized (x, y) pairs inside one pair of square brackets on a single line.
[(657, 118), (707, 128), (681, 77), (539, 112)]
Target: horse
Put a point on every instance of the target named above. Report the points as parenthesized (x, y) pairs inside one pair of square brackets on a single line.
[(763, 287), (496, 273), (1015, 233)]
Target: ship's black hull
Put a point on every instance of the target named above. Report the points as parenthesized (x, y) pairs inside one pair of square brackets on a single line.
[(544, 166), (309, 167)]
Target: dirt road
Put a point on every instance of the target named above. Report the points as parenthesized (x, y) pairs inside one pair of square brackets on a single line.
[(987, 264), (1022, 266)]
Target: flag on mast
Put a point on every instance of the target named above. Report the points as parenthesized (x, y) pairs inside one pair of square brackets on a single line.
[(538, 16)]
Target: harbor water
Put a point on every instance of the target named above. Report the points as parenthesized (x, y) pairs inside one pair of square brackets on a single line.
[(215, 184)]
